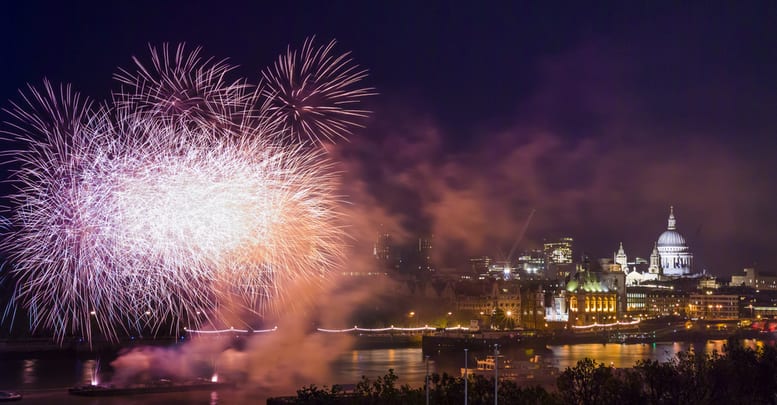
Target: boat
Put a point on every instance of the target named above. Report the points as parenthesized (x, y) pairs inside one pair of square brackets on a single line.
[(156, 387), (536, 368), (487, 366), (8, 396), (483, 341)]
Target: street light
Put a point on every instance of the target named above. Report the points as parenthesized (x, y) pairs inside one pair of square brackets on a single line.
[(466, 365), (427, 379), (496, 374)]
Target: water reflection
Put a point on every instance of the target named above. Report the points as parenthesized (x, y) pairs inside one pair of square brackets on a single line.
[(30, 371), (627, 355), (616, 355), (408, 363), (45, 380)]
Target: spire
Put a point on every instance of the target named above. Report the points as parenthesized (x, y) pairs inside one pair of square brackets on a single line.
[(621, 259), (655, 261), (671, 222), (621, 252)]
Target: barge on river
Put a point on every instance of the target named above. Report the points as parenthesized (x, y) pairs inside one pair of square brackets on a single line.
[(157, 387)]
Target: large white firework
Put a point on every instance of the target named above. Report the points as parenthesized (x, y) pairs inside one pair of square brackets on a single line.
[(182, 199)]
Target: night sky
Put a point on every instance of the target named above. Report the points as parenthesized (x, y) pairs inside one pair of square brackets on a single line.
[(596, 119)]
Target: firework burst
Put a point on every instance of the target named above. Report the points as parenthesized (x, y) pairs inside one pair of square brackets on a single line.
[(312, 92), (184, 196)]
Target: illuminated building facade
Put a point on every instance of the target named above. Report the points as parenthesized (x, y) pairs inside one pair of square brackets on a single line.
[(557, 310), (590, 300), (506, 298), (559, 252), (753, 279), (655, 261), (532, 263), (652, 302), (589, 307), (503, 271), (621, 259), (509, 301), (558, 258), (636, 301), (674, 255), (639, 272), (713, 306), (666, 303)]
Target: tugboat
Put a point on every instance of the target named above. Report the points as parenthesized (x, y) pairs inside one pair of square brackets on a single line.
[(156, 387)]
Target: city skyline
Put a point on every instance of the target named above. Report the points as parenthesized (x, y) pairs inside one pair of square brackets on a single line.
[(263, 196), (497, 124), (669, 255)]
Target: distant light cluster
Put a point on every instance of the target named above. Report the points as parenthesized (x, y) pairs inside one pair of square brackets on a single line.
[(187, 195)]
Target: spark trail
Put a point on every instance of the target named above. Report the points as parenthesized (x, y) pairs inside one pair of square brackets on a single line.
[(186, 194)]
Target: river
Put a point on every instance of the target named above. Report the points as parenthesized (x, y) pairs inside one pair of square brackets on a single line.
[(44, 379)]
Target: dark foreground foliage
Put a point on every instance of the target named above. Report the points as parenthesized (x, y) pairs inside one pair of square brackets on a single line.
[(739, 375)]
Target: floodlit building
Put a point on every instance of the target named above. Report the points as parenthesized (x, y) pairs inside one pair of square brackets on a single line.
[(670, 257), (675, 257), (635, 271), (655, 262), (621, 259), (591, 300)]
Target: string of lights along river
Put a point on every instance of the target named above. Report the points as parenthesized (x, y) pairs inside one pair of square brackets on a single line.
[(44, 379)]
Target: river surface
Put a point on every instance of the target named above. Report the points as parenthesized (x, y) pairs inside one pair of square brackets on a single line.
[(44, 379)]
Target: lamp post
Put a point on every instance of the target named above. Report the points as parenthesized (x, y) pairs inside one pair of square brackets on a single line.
[(427, 379), (466, 365), (496, 374)]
